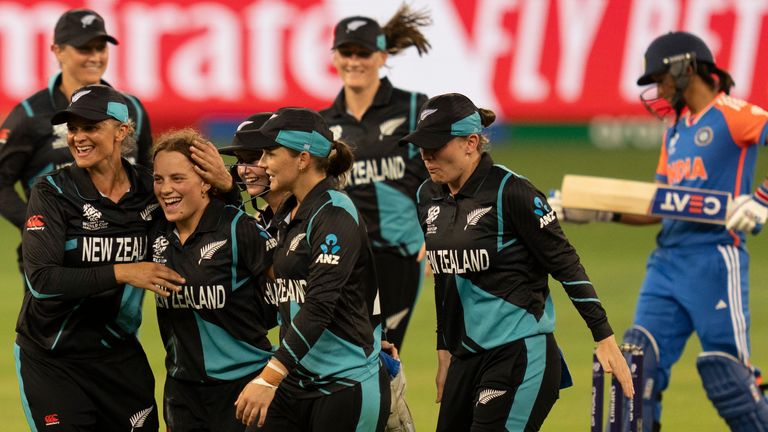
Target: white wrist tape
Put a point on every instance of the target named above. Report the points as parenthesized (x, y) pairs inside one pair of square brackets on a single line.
[(277, 369), (262, 382)]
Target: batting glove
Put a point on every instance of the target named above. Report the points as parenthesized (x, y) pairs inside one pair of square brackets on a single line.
[(578, 216), (749, 214)]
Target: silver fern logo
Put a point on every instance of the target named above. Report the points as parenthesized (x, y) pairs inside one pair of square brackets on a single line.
[(426, 113), (336, 130), (354, 25), (207, 251), (389, 127), (474, 216), (488, 395), (78, 95), (137, 420), (295, 242), (87, 20), (146, 214)]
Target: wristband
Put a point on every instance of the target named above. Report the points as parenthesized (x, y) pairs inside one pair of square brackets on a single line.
[(262, 382), (761, 193), (277, 369)]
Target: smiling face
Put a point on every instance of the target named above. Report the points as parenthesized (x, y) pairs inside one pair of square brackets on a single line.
[(253, 176), (282, 167), (358, 67), (181, 192), (86, 64), (92, 143)]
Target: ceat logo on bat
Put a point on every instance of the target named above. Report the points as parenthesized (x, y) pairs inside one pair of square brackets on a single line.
[(699, 205)]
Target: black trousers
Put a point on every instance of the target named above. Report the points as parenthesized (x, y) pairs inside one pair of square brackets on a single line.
[(114, 391), (400, 278), (512, 387)]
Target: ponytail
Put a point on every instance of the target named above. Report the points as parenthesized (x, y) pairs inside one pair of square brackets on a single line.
[(708, 72), (338, 162), (487, 117), (402, 30)]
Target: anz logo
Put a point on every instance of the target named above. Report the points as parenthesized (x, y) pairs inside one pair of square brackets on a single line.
[(329, 248), (543, 211)]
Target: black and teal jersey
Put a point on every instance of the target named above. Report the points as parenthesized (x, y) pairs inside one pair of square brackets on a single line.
[(30, 146), (324, 278), (385, 175), (215, 328), (72, 238), (491, 248)]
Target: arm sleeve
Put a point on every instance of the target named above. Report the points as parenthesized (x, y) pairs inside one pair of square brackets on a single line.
[(540, 231), (16, 149), (333, 233), (44, 242), (748, 124), (255, 247)]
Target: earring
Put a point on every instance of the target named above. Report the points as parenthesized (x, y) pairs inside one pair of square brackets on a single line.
[(203, 194)]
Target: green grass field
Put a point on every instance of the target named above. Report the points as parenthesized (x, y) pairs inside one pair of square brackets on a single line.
[(613, 255)]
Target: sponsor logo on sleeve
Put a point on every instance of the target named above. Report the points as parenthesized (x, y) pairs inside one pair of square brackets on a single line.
[(51, 419), (35, 223), (543, 211), (329, 248), (4, 135)]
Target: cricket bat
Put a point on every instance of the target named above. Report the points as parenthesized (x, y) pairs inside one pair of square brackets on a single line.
[(643, 198)]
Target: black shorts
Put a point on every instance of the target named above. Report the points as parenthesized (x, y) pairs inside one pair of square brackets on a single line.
[(511, 387), (114, 391), (363, 407), (400, 279), (191, 406)]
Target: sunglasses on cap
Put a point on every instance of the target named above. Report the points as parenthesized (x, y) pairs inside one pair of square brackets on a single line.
[(359, 52)]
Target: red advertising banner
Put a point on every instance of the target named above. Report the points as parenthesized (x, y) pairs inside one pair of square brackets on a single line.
[(530, 60)]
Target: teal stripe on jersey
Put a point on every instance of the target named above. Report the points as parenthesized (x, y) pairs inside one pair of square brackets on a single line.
[(233, 236), (398, 219), (27, 108), (349, 360), (53, 183), (64, 324), (46, 169), (508, 323), (370, 404), (225, 357), (342, 200), (24, 401), (36, 294), (303, 339), (525, 396), (312, 219), (584, 282), (129, 315), (70, 244), (500, 244), (585, 300)]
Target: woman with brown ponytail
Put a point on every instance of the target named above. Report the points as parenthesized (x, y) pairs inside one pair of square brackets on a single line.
[(326, 374), (372, 115), (492, 241)]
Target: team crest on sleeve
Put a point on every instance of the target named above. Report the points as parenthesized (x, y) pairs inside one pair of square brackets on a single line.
[(432, 214), (330, 247), (35, 223), (92, 218), (474, 216), (158, 250), (543, 211), (207, 251), (703, 136)]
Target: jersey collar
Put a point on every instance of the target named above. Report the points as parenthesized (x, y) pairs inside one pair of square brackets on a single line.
[(312, 199), (87, 190), (382, 97)]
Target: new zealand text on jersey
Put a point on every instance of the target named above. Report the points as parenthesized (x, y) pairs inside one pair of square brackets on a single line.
[(458, 261), (375, 170), (285, 290), (190, 297), (114, 249)]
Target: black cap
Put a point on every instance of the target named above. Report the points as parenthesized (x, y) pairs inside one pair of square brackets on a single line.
[(95, 102), (442, 119), (299, 129), (77, 27), (251, 123), (361, 31), (671, 47)]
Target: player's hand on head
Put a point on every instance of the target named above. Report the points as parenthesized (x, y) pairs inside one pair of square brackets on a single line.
[(612, 360), (150, 276), (210, 166), (578, 216), (748, 214)]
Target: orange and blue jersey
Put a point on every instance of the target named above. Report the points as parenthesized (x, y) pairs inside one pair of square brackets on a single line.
[(717, 150)]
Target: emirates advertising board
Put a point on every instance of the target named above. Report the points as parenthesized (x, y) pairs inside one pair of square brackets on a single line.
[(530, 60)]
